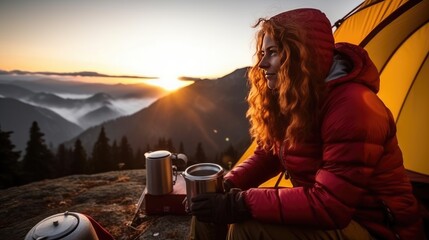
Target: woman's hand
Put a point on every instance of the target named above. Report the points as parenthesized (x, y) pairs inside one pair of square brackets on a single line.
[(220, 208)]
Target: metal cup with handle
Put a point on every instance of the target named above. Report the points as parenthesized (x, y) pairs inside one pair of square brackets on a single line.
[(202, 178), (161, 174)]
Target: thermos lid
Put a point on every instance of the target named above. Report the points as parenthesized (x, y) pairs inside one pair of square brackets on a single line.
[(55, 227), (158, 154)]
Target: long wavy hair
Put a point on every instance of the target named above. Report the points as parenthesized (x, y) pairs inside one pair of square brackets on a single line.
[(290, 111)]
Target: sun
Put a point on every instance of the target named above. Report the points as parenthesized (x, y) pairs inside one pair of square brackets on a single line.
[(169, 83)]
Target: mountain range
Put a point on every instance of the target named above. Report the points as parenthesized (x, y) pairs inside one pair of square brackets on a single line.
[(210, 112), (17, 116), (81, 111), (26, 98)]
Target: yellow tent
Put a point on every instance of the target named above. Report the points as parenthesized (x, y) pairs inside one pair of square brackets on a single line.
[(396, 35)]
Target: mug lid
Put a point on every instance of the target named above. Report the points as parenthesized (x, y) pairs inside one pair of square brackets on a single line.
[(56, 226), (158, 154)]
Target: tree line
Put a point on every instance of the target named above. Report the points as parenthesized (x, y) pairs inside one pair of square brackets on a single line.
[(40, 162)]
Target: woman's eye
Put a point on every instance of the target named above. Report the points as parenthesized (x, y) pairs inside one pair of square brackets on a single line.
[(272, 52), (269, 52)]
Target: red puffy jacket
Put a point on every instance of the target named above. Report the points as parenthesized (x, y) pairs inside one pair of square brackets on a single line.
[(352, 171)]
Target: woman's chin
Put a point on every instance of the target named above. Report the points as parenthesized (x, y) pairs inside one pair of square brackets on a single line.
[(271, 84)]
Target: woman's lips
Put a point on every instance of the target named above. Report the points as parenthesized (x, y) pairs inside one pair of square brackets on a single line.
[(271, 80), (270, 76)]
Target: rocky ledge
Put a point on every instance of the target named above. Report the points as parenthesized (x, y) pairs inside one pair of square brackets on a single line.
[(109, 198)]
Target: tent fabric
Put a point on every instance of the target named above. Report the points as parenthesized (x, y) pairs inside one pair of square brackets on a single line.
[(395, 34), (364, 20)]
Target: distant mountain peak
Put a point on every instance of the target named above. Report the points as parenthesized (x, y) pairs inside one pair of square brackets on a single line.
[(100, 97), (99, 115)]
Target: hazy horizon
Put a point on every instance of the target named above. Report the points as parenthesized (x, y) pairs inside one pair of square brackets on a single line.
[(164, 39)]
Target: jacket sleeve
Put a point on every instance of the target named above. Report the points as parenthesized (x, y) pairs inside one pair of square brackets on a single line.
[(354, 128), (255, 170)]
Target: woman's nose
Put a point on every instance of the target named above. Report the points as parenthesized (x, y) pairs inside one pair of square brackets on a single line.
[(263, 63)]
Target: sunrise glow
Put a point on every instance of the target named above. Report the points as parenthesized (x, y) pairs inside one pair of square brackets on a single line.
[(168, 83), (145, 38)]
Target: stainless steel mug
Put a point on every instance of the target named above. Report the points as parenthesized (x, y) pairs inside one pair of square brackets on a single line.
[(159, 172), (202, 178)]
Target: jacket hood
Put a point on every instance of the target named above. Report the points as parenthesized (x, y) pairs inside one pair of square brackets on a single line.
[(318, 35), (363, 70)]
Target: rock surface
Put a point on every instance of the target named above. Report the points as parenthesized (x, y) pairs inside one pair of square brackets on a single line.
[(109, 198)]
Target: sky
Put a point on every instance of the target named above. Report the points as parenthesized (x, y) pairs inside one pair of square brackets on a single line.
[(157, 38)]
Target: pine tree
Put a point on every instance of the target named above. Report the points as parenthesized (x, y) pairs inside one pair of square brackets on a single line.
[(126, 153), (70, 158), (200, 155), (162, 144), (169, 145), (63, 161), (101, 154), (116, 156), (8, 161), (38, 162), (78, 165)]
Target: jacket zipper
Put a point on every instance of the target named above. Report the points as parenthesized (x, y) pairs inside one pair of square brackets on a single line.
[(286, 173)]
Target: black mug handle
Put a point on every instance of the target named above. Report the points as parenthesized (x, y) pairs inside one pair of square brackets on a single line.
[(174, 174)]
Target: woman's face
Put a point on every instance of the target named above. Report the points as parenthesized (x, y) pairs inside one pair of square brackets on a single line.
[(270, 60)]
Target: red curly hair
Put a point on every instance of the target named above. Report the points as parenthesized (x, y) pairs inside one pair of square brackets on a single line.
[(290, 112)]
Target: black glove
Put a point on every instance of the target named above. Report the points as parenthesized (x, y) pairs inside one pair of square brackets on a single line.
[(228, 185), (220, 208)]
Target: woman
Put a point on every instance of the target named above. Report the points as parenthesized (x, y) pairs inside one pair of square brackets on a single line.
[(315, 115)]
